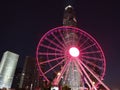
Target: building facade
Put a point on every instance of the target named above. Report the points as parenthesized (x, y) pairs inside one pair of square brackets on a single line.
[(29, 77), (7, 68)]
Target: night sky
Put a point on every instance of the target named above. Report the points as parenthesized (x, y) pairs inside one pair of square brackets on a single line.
[(23, 22)]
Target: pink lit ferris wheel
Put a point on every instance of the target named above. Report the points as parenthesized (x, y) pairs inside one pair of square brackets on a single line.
[(70, 56)]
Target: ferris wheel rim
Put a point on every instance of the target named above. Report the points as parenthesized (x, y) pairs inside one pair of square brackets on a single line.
[(50, 31)]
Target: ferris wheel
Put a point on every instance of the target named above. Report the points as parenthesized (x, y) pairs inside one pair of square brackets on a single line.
[(65, 50)]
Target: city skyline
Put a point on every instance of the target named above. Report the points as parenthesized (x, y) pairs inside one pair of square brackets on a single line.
[(24, 23)]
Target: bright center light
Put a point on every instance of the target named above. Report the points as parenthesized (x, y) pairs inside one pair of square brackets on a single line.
[(74, 52)]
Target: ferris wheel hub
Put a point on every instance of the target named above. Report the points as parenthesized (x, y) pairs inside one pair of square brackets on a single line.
[(74, 52)]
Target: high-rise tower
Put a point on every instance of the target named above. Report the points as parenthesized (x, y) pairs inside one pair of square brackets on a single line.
[(7, 68), (29, 78), (74, 79), (69, 18)]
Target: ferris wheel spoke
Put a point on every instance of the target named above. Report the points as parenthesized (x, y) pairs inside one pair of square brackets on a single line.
[(87, 82), (42, 53), (51, 60), (92, 52), (74, 41), (62, 71), (88, 47), (52, 48), (84, 42), (78, 68), (67, 72), (84, 77), (54, 43), (93, 58), (54, 66), (80, 37), (93, 64), (62, 37), (97, 78), (86, 74), (58, 40)]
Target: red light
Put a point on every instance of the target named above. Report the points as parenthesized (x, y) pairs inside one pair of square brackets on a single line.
[(74, 52)]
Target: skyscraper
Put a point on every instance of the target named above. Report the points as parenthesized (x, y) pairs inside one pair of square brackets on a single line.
[(74, 78), (29, 78), (7, 68)]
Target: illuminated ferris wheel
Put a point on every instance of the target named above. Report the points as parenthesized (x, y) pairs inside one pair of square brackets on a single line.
[(69, 56), (64, 52)]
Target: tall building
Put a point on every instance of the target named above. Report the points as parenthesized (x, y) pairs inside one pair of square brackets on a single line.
[(29, 78), (17, 76), (74, 79), (7, 68), (69, 18)]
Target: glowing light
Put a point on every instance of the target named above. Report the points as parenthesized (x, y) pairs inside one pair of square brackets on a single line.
[(74, 52), (58, 73), (93, 82), (54, 88), (69, 6)]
